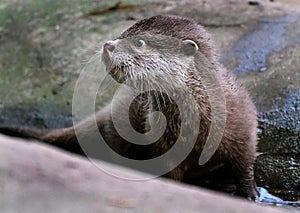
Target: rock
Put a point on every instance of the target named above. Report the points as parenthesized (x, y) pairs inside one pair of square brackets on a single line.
[(36, 178)]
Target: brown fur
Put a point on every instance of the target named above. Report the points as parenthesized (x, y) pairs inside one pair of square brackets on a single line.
[(237, 151)]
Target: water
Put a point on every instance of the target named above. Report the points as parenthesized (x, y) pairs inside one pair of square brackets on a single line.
[(253, 50)]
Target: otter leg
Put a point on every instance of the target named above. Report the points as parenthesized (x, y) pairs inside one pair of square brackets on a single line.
[(245, 183), (176, 174)]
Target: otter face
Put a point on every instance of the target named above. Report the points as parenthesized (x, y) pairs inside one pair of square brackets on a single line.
[(154, 58)]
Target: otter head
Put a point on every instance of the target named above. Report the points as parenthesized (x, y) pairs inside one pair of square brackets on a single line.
[(155, 50)]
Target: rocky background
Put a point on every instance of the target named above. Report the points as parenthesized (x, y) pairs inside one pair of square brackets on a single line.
[(44, 45)]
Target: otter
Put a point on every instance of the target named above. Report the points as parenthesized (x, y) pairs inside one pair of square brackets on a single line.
[(148, 56)]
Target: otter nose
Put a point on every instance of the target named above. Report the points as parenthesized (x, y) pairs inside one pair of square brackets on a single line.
[(109, 46)]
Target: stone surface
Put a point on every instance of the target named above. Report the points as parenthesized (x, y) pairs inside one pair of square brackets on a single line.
[(37, 178)]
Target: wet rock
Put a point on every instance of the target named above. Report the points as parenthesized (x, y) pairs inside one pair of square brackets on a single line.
[(254, 48), (280, 148)]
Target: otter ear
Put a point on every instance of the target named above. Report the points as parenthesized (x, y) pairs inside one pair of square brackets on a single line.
[(189, 47)]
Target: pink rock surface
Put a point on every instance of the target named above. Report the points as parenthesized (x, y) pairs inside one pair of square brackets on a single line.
[(40, 178)]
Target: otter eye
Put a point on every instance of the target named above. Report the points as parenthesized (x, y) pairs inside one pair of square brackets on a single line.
[(189, 47), (139, 42)]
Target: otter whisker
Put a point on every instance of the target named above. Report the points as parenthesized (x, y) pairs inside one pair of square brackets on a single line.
[(163, 90), (157, 100)]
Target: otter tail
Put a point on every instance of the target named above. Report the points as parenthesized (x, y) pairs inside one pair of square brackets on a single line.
[(22, 132), (62, 138)]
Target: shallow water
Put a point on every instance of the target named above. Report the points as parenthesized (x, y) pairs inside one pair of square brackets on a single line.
[(253, 50), (268, 199)]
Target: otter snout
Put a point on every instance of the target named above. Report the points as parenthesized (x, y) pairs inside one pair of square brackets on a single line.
[(108, 49), (109, 46)]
